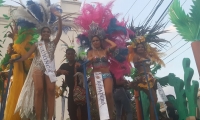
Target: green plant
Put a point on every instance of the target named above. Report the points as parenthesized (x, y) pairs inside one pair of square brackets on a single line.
[(183, 90)]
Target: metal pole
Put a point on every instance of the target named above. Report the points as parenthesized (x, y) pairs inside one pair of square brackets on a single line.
[(141, 105), (152, 100), (87, 90), (138, 106), (5, 95)]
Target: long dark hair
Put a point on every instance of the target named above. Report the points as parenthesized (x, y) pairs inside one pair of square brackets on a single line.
[(45, 28), (101, 42), (143, 44)]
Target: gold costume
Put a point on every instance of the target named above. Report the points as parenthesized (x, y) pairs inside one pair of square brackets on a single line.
[(20, 70)]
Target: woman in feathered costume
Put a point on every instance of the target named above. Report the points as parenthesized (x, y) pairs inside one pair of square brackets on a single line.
[(37, 98), (105, 38), (22, 38), (142, 53)]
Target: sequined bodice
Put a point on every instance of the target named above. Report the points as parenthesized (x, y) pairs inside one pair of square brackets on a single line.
[(50, 47), (100, 62)]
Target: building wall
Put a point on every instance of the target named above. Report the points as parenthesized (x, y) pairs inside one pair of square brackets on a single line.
[(4, 10), (68, 7)]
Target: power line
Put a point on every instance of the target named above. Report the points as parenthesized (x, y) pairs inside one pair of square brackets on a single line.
[(130, 8), (175, 50), (142, 10), (150, 12), (174, 45), (178, 55), (173, 37), (164, 14)]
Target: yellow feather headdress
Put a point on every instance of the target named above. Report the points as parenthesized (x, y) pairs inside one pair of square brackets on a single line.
[(146, 36)]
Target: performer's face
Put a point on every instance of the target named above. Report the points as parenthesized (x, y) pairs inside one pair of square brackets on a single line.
[(96, 42), (140, 48), (70, 55), (45, 34)]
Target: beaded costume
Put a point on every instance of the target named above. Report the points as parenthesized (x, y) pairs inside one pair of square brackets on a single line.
[(37, 15), (146, 36), (98, 20), (50, 50)]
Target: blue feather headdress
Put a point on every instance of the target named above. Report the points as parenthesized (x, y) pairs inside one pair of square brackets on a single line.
[(39, 15)]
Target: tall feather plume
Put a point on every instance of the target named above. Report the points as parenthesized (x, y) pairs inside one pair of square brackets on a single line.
[(151, 32), (150, 35), (28, 11), (40, 14), (46, 5), (35, 9), (22, 14)]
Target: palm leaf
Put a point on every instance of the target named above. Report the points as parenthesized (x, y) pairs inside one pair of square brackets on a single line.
[(6, 17), (1, 1), (181, 21), (163, 81), (195, 19)]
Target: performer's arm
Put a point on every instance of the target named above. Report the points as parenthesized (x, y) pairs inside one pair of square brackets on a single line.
[(90, 57), (59, 33), (27, 55), (62, 71), (112, 45)]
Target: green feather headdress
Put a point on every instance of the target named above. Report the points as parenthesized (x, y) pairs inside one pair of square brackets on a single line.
[(188, 25)]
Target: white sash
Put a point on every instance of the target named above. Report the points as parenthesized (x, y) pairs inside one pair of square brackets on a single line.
[(103, 108), (163, 96), (49, 65), (161, 92)]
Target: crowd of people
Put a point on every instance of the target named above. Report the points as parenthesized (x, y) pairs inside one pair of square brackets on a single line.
[(110, 48)]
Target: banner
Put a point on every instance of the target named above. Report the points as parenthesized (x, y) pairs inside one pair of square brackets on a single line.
[(49, 65), (63, 107), (161, 92), (103, 108), (163, 97)]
